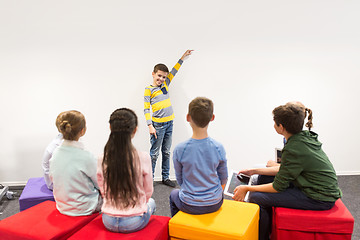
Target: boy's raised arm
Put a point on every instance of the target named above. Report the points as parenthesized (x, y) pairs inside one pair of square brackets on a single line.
[(176, 68), (187, 53)]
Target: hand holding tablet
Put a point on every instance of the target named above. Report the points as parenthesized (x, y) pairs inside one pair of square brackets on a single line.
[(235, 180)]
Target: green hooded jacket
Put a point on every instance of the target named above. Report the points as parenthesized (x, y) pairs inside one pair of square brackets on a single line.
[(304, 164)]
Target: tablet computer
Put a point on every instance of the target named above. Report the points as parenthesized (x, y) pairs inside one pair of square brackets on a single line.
[(235, 180)]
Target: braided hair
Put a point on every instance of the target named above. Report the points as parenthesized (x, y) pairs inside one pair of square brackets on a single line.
[(309, 124), (121, 163)]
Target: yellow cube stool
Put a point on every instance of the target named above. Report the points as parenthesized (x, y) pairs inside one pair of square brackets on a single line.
[(234, 220)]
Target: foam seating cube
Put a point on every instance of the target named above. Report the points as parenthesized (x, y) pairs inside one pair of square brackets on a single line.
[(234, 220), (334, 224), (35, 192), (157, 229), (42, 222)]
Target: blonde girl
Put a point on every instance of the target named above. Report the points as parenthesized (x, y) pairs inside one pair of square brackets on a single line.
[(73, 170)]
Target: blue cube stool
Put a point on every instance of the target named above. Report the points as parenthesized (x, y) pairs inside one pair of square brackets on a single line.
[(35, 192)]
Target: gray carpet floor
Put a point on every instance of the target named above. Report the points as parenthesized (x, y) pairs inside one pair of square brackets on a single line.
[(348, 184)]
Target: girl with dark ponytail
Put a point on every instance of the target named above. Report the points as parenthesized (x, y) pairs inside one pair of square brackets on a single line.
[(125, 177)]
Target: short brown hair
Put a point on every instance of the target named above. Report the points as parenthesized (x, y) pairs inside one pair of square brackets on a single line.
[(71, 124), (201, 111), (161, 67), (291, 116)]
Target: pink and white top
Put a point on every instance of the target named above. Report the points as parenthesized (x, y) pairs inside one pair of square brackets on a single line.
[(145, 188)]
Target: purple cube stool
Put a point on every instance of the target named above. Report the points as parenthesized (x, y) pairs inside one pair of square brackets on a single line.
[(35, 192)]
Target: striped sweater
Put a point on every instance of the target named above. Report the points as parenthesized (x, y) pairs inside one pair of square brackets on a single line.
[(159, 100)]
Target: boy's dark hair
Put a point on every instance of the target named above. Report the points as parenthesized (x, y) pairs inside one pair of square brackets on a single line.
[(292, 117), (161, 67), (201, 111)]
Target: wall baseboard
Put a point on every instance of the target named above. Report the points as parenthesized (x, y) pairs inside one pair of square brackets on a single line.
[(13, 184), (345, 173), (159, 179), (23, 183)]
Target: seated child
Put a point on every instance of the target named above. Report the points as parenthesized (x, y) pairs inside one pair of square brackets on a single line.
[(200, 165), (306, 178), (262, 175), (49, 151), (125, 177), (73, 170)]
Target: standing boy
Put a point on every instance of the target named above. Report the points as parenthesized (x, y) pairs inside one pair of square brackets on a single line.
[(200, 165), (161, 123)]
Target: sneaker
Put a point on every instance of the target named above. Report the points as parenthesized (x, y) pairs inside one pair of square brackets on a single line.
[(168, 182)]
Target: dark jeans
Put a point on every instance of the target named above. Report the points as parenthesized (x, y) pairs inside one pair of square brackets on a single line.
[(263, 179), (290, 198), (163, 141), (176, 204)]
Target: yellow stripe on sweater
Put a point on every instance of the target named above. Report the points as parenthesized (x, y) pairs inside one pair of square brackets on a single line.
[(157, 93), (146, 105), (147, 92), (164, 119), (147, 116), (161, 105)]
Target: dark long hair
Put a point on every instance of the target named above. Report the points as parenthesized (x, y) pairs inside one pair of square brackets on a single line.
[(309, 123), (121, 163)]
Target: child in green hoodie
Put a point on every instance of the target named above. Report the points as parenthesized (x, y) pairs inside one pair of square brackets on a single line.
[(306, 178)]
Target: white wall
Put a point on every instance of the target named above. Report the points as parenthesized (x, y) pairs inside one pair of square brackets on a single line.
[(250, 56)]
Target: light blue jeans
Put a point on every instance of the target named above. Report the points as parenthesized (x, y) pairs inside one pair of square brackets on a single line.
[(163, 141), (129, 224), (177, 205)]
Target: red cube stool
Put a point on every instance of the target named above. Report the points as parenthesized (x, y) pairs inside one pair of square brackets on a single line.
[(156, 229), (42, 221), (334, 224)]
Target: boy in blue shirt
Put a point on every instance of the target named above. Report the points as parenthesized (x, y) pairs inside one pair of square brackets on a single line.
[(200, 165)]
